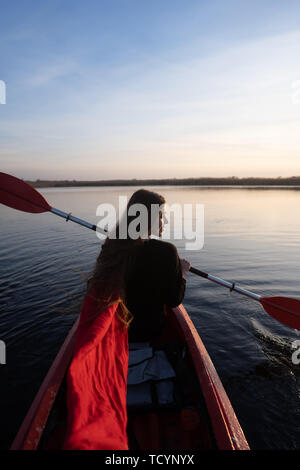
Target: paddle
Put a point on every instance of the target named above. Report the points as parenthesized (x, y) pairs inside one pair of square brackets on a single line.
[(284, 309), (19, 195)]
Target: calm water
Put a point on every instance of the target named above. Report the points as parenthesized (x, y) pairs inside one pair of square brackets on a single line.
[(251, 237)]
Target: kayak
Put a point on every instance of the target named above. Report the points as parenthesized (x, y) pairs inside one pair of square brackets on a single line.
[(175, 398)]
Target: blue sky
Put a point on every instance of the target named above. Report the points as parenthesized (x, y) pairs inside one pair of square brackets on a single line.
[(137, 89)]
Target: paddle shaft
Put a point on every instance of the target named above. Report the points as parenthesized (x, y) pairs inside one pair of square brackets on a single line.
[(230, 285), (66, 216)]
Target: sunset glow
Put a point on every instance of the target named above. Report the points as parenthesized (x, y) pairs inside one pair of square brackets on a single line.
[(130, 89)]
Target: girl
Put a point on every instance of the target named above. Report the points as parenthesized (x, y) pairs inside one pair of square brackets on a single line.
[(132, 281), (144, 273)]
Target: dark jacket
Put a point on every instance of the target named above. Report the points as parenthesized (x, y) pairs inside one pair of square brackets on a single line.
[(155, 280)]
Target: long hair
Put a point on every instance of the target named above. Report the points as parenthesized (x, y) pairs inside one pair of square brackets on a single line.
[(116, 258)]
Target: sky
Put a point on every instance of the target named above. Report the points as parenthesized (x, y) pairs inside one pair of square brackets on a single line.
[(109, 89)]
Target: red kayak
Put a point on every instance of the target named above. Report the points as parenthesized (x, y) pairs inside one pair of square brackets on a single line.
[(175, 399)]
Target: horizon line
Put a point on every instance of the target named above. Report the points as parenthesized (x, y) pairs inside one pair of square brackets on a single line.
[(203, 180)]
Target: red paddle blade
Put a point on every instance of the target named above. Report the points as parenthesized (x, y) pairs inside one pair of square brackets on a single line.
[(19, 195), (283, 309)]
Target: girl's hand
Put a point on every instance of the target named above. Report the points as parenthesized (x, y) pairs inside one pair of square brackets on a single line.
[(185, 267)]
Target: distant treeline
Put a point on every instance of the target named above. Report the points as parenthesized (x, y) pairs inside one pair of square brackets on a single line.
[(205, 181)]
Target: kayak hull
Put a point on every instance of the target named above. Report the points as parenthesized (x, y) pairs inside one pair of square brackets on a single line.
[(216, 425)]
